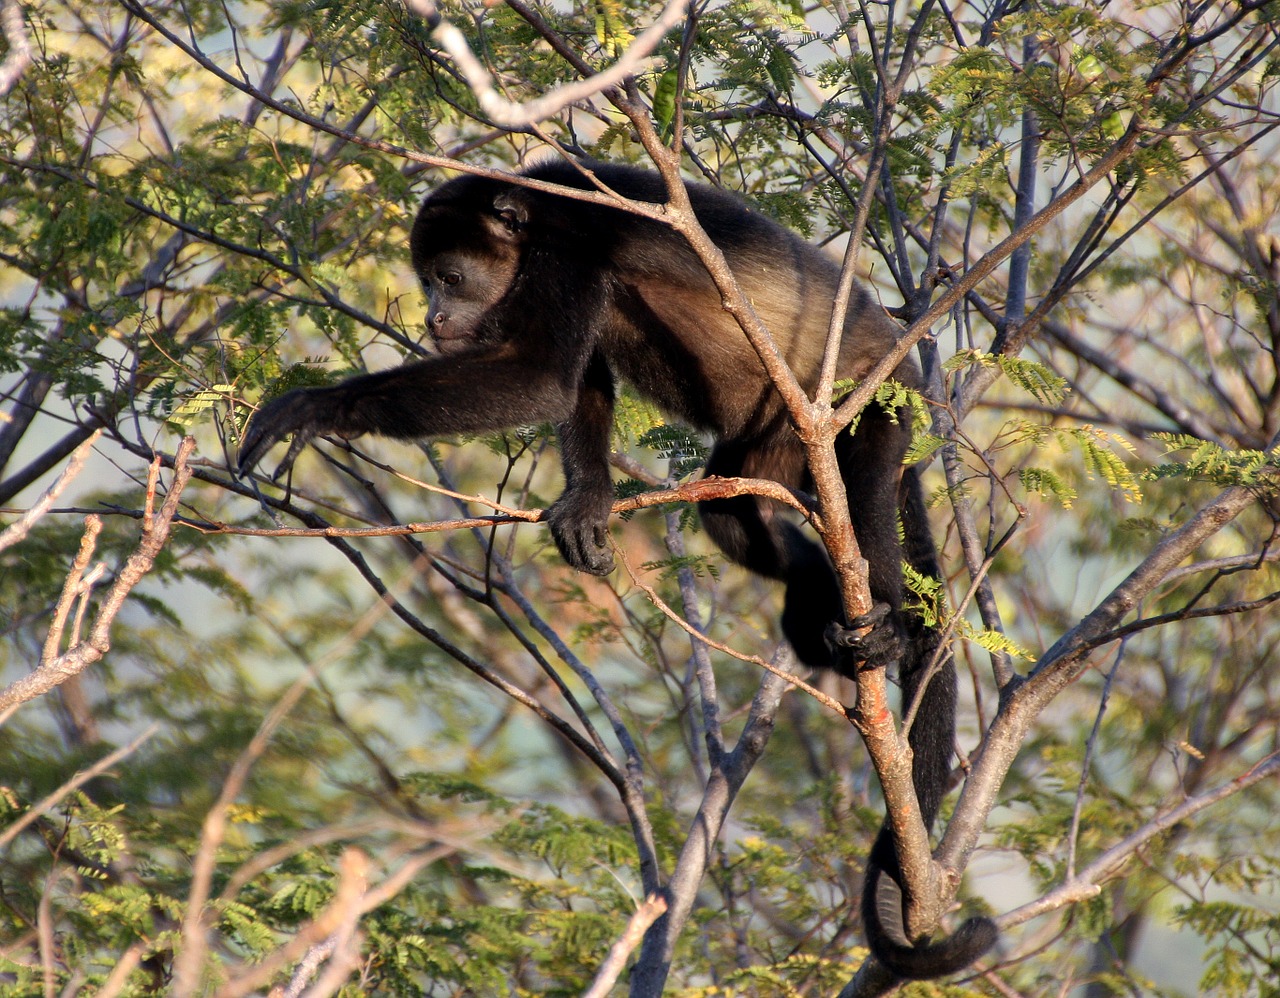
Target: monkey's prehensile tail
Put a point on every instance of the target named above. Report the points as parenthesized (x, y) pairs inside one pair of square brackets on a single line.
[(887, 937), (932, 739)]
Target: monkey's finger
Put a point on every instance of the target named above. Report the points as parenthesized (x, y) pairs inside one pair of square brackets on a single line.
[(597, 562), (300, 440), (853, 633), (254, 445), (585, 548), (261, 436)]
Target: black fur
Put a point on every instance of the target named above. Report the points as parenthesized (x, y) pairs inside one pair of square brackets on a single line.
[(538, 302)]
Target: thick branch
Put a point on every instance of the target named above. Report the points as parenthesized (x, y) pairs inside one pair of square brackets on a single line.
[(1064, 662)]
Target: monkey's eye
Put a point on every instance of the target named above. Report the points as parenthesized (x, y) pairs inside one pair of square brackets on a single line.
[(450, 277)]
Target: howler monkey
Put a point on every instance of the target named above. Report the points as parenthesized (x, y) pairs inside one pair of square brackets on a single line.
[(538, 302)]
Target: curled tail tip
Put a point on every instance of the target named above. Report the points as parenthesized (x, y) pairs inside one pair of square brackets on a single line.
[(941, 959)]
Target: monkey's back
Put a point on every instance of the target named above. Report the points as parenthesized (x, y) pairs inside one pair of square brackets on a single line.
[(667, 331), (790, 284)]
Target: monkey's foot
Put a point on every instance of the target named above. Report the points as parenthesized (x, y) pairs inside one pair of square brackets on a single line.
[(581, 536), (870, 641)]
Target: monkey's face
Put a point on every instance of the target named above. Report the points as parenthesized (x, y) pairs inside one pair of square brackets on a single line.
[(462, 288)]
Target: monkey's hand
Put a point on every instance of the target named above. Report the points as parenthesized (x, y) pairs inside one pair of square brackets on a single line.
[(872, 639), (579, 525), (303, 412)]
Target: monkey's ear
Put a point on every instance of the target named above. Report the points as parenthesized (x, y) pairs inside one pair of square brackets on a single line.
[(510, 214)]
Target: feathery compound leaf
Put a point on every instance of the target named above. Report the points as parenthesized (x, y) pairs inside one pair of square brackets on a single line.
[(1210, 462), (683, 447), (664, 100), (929, 597), (1032, 377), (982, 171), (1048, 485), (892, 396), (195, 405), (922, 446), (997, 641), (1099, 459)]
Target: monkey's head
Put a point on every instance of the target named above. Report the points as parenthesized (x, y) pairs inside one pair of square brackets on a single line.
[(467, 245)]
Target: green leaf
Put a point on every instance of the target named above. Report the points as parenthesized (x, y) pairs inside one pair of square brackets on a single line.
[(194, 406), (664, 100)]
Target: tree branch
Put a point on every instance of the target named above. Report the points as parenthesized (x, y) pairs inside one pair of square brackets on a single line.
[(55, 669), (20, 56), (518, 115)]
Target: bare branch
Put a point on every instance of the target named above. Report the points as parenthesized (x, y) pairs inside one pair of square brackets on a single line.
[(83, 653), (336, 926), (78, 780), (18, 530), (15, 33), (1063, 663), (703, 490), (649, 911), (516, 115), (650, 971), (1086, 884), (831, 703)]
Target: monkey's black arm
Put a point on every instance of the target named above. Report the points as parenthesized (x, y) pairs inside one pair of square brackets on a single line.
[(465, 393), (579, 518)]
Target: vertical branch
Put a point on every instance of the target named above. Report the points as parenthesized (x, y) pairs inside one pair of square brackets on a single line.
[(649, 975), (706, 676), (1086, 764), (1015, 309), (1024, 202), (682, 74), (75, 587), (887, 94), (649, 911)]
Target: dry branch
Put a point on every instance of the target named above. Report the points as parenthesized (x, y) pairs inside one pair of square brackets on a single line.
[(55, 669), (516, 114), (17, 531), (650, 910), (19, 56)]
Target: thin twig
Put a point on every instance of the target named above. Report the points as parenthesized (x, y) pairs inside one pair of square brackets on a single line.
[(18, 530), (831, 703), (84, 653)]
